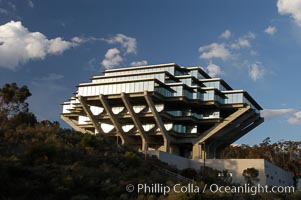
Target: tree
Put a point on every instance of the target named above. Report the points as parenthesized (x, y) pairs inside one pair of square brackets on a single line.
[(14, 108), (12, 100), (251, 175)]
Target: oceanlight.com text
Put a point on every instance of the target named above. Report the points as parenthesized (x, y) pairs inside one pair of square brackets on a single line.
[(158, 188)]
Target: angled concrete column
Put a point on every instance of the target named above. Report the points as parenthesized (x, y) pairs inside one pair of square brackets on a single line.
[(73, 124), (220, 127), (257, 120), (144, 137), (88, 112), (242, 113), (114, 120), (159, 122)]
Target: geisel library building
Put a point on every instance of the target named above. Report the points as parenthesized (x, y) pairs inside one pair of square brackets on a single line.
[(163, 108)]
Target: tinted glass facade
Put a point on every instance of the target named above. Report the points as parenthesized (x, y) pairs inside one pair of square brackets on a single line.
[(155, 103)]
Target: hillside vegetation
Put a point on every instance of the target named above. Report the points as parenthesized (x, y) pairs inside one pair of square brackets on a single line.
[(40, 160), (285, 154)]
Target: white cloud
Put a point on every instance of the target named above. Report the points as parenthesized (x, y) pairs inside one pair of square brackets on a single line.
[(226, 34), (271, 30), (58, 45), (30, 4), (112, 58), (8, 8), (4, 11), (19, 45), (139, 63), (292, 8), (214, 50), (295, 118), (250, 35), (256, 71), (273, 113), (214, 70), (79, 40), (128, 43), (240, 43), (51, 77), (243, 41)]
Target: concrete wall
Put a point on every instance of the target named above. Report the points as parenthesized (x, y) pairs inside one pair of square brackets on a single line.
[(236, 167), (173, 160), (277, 176), (299, 184)]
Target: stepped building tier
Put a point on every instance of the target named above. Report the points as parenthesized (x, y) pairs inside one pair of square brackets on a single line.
[(165, 107)]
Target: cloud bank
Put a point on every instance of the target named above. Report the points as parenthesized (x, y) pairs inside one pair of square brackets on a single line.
[(273, 113), (214, 70), (256, 71), (226, 34), (295, 118), (112, 57), (19, 45), (128, 43), (214, 50), (138, 63), (292, 8)]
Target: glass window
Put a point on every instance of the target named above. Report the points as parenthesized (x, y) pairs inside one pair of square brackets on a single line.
[(97, 90), (80, 91), (118, 88), (137, 89), (140, 86), (110, 88), (127, 87), (145, 85), (105, 89), (132, 87), (113, 91), (94, 90), (123, 87)]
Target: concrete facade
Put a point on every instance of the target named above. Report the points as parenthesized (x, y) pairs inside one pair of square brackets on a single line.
[(163, 107)]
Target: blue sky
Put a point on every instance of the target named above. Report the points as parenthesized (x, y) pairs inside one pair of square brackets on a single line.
[(254, 45)]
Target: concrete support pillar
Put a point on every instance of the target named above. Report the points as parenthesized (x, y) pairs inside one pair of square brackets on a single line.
[(165, 147), (174, 149), (144, 145), (88, 112), (144, 137), (124, 138), (159, 122), (198, 151)]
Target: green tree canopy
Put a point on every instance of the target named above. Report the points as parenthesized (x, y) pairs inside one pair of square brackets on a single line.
[(251, 175), (13, 100)]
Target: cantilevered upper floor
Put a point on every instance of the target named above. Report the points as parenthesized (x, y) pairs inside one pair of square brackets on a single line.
[(166, 106)]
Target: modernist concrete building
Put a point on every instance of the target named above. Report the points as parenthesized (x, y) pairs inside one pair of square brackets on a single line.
[(163, 107)]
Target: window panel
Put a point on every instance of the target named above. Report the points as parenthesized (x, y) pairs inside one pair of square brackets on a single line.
[(127, 87)]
